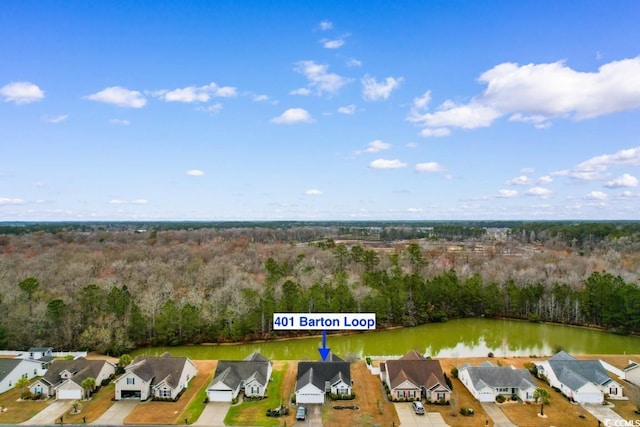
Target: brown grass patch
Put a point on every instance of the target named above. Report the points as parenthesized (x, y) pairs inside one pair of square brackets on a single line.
[(19, 411), (169, 412), (92, 409), (374, 407)]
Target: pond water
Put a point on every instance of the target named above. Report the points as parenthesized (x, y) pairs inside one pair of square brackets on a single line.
[(455, 338)]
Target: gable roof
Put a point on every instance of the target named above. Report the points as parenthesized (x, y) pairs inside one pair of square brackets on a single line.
[(498, 376), (39, 349), (576, 373), (8, 365), (416, 369), (158, 369), (79, 369), (318, 373), (630, 366), (232, 372)]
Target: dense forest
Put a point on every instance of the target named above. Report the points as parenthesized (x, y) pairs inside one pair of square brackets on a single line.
[(114, 287)]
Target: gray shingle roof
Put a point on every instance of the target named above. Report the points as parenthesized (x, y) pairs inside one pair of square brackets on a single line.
[(8, 365), (317, 373), (79, 369), (157, 369), (232, 372), (576, 373), (499, 376)]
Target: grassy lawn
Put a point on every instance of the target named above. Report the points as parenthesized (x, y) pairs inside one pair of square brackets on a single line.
[(92, 409), (17, 412), (195, 407), (254, 413)]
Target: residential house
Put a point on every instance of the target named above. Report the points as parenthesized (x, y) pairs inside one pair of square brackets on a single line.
[(632, 372), (64, 378), (38, 353), (316, 379), (584, 381), (250, 375), (11, 370), (487, 381), (162, 377), (413, 377)]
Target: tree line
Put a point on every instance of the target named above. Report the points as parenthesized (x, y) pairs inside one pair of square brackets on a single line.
[(114, 291)]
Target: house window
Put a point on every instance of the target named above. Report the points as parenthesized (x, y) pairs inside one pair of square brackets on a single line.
[(35, 372), (165, 392), (255, 390), (440, 396), (342, 391), (131, 381), (400, 393), (613, 391), (502, 389)]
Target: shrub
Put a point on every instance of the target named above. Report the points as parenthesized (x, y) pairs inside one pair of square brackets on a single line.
[(467, 412), (368, 360), (532, 368), (454, 372), (514, 397), (490, 355), (500, 398)]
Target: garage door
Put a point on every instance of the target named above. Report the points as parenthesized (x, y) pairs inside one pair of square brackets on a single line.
[(69, 394), (130, 394), (220, 395), (309, 398)]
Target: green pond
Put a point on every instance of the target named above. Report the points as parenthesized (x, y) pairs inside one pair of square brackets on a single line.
[(455, 338)]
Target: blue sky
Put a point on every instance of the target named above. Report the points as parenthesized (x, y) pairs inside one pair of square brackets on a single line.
[(259, 110)]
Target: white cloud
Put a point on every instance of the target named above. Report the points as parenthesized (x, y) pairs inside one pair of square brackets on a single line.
[(625, 180), (415, 210), (596, 195), (128, 202), (539, 192), (195, 172), (352, 63), (538, 93), (430, 167), (347, 109), (377, 146), (301, 91), (520, 180), (261, 98), (595, 167), (435, 132), (411, 145), (313, 192), (10, 201), (545, 180), (55, 119), (191, 94), (332, 44), (507, 193), (119, 96), (538, 121), (319, 77), (527, 170), (387, 164), (21, 92), (373, 90), (629, 195), (213, 108), (293, 115), (326, 25), (122, 122)]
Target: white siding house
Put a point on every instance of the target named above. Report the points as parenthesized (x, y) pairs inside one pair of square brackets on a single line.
[(11, 370), (487, 381)]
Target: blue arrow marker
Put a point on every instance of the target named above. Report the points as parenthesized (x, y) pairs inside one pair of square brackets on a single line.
[(324, 351)]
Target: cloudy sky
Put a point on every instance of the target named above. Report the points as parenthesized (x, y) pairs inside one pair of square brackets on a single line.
[(257, 110)]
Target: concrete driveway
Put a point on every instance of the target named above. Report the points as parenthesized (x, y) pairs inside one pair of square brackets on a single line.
[(495, 413), (314, 416), (605, 415), (408, 418), (51, 413), (117, 413), (213, 414)]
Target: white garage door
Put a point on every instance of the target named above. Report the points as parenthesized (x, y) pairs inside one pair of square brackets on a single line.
[(309, 398), (69, 394), (219, 395)]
